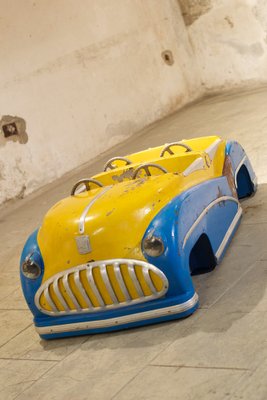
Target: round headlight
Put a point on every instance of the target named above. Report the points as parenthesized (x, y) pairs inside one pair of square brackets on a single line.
[(153, 246), (30, 269)]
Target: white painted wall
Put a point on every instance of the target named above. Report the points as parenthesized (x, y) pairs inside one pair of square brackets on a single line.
[(230, 43), (85, 74)]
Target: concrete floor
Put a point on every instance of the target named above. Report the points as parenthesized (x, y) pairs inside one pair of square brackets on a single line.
[(218, 353)]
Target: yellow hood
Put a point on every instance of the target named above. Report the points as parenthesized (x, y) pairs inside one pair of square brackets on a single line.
[(115, 222)]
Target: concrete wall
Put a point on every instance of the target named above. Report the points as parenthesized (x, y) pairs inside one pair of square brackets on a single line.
[(86, 74), (229, 39)]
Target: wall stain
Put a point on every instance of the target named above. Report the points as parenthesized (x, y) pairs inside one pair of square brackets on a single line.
[(229, 21), (21, 193), (83, 57), (254, 49)]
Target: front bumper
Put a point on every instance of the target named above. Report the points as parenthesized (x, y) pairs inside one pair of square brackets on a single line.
[(105, 296), (159, 312)]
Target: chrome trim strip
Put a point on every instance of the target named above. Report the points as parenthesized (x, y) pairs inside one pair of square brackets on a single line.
[(120, 280), (69, 292), (64, 275), (49, 300), (106, 280), (195, 166), (149, 281), (211, 150), (81, 289), (238, 168), (134, 279), (59, 295), (90, 278), (203, 213), (87, 208), (228, 233), (126, 319)]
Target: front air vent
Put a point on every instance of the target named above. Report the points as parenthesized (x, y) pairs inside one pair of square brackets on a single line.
[(99, 286)]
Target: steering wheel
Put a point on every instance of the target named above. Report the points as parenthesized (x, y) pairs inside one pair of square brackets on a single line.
[(146, 167), (109, 165), (85, 182), (168, 148)]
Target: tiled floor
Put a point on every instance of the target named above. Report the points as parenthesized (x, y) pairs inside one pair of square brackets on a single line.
[(218, 353)]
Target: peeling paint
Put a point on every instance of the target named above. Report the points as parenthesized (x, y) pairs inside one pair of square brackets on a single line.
[(127, 174), (194, 9), (228, 172)]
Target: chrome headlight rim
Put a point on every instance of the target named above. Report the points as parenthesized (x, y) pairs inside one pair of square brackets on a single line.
[(31, 269), (153, 246)]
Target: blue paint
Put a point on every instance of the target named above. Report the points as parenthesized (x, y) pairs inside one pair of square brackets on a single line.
[(30, 286), (246, 178), (174, 221)]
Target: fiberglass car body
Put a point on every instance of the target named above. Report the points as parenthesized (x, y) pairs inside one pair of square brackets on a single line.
[(121, 249)]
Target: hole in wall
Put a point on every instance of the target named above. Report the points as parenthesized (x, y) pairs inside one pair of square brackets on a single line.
[(167, 57), (13, 129), (10, 129)]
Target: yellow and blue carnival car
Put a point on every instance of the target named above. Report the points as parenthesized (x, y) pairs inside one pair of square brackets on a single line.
[(120, 251)]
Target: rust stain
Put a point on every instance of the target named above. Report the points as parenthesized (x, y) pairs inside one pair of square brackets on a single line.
[(228, 172), (110, 212), (127, 174)]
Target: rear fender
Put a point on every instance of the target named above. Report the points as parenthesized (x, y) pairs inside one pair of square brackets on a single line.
[(244, 175)]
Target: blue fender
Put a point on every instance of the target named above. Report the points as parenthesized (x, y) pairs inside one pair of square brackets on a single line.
[(244, 175), (208, 208)]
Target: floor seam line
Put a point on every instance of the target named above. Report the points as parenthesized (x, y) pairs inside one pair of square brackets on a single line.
[(200, 367), (13, 337)]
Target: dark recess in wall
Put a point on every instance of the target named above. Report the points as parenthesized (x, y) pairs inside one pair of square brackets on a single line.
[(13, 129)]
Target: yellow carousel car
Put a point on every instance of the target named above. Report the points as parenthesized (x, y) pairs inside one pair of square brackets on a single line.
[(121, 250)]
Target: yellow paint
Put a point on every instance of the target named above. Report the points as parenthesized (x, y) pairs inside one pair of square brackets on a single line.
[(88, 289), (55, 298), (44, 303), (114, 283), (157, 281), (128, 282), (65, 295), (116, 222), (142, 281), (101, 286)]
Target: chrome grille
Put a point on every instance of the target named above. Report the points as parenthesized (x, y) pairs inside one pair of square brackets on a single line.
[(80, 290)]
